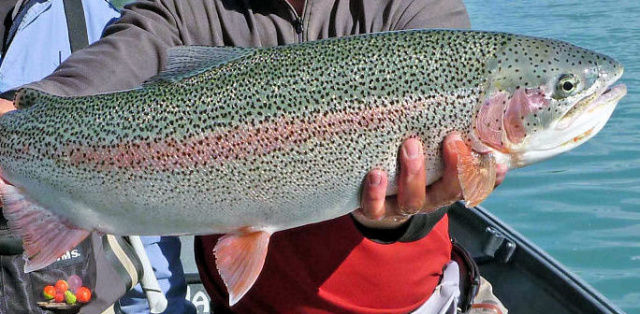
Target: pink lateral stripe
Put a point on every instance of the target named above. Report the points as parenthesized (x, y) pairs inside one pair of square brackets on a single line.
[(238, 143)]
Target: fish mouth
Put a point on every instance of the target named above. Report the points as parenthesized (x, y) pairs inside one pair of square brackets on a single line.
[(583, 124), (588, 117), (592, 103), (591, 119)]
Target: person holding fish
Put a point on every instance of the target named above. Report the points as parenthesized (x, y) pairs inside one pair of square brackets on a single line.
[(228, 140)]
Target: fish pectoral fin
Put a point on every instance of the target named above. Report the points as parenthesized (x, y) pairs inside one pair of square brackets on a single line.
[(240, 258), (45, 236), (477, 176)]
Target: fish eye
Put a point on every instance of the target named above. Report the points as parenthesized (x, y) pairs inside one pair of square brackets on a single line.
[(568, 84)]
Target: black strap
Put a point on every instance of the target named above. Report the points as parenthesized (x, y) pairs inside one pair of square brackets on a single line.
[(22, 8), (469, 275), (76, 24), (416, 228)]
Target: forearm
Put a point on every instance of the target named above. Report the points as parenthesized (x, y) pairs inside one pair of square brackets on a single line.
[(132, 50)]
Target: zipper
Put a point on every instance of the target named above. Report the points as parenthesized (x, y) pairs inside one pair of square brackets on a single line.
[(297, 22)]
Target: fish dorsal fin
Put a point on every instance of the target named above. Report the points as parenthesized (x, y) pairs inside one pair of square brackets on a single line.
[(188, 61)]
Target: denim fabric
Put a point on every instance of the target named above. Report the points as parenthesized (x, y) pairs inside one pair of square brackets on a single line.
[(164, 255)]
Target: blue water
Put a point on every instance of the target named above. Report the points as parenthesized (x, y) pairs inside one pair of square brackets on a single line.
[(582, 207)]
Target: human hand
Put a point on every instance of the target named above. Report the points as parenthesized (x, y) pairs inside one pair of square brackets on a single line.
[(6, 106), (379, 211)]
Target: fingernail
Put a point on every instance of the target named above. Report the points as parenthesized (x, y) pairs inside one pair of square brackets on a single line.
[(374, 178), (411, 150)]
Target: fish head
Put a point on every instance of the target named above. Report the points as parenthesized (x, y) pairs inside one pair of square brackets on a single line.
[(545, 97)]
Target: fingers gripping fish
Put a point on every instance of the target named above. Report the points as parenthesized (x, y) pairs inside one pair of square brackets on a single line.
[(248, 141)]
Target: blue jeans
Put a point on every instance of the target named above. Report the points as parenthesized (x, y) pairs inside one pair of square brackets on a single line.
[(164, 255)]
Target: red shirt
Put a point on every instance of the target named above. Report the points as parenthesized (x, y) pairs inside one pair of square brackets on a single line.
[(329, 267)]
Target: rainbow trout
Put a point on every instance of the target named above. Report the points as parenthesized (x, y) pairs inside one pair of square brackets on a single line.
[(248, 141)]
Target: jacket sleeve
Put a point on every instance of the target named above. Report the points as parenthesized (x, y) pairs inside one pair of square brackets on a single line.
[(132, 50)]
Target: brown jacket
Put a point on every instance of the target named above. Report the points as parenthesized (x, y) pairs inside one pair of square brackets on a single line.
[(134, 48)]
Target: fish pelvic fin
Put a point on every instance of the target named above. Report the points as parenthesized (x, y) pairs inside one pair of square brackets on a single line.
[(188, 61), (240, 258), (477, 176), (45, 236)]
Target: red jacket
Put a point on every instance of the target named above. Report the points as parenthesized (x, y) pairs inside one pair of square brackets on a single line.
[(330, 267)]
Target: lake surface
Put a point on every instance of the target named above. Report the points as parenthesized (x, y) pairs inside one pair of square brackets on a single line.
[(582, 207)]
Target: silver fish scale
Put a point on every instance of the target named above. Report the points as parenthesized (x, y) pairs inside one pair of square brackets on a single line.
[(279, 138)]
